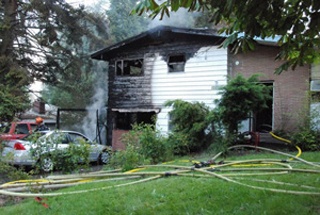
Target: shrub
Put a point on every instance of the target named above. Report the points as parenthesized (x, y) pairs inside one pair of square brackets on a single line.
[(307, 139), (147, 141), (144, 145), (190, 124), (127, 159), (178, 143), (240, 97)]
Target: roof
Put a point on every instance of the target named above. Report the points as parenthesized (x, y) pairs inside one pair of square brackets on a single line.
[(164, 34), (153, 36)]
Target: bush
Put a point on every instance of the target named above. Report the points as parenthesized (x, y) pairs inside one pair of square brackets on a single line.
[(148, 142), (307, 139), (144, 145), (179, 143), (190, 124), (127, 159)]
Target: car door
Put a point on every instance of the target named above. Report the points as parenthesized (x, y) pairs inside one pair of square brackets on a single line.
[(78, 138), (59, 140)]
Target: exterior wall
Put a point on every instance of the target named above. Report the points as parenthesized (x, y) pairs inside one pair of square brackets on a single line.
[(290, 92), (204, 72), (129, 91), (116, 139)]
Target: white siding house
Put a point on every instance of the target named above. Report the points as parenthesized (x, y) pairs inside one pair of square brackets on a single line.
[(200, 81), (169, 63)]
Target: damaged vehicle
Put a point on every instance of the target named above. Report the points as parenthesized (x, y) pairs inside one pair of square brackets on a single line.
[(29, 151)]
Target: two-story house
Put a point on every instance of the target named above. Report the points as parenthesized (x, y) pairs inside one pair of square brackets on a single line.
[(167, 63)]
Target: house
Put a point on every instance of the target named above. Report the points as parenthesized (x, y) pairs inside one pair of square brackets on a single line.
[(167, 63)]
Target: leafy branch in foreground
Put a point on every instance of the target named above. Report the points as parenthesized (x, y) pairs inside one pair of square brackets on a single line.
[(293, 24)]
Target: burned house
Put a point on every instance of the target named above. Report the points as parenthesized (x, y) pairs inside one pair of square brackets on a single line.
[(168, 63)]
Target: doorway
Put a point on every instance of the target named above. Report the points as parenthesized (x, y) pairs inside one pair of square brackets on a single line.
[(264, 117)]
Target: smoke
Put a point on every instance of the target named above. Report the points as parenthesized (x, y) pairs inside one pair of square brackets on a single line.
[(91, 123), (180, 18)]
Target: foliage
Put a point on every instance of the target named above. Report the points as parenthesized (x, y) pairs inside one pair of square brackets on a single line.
[(294, 24), (9, 172), (190, 122), (11, 103), (47, 41), (307, 139), (144, 144), (122, 25), (13, 90), (179, 142), (72, 158), (239, 98), (127, 159)]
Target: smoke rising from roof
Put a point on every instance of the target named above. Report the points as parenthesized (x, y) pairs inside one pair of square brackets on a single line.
[(180, 18)]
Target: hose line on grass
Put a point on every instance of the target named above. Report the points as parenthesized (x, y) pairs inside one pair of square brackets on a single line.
[(286, 141), (230, 171)]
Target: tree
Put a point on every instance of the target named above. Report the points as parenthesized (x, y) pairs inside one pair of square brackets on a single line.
[(45, 40), (122, 25), (239, 98), (294, 24)]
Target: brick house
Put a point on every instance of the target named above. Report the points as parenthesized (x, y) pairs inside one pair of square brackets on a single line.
[(167, 63)]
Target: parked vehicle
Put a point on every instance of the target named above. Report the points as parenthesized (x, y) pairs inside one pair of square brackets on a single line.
[(16, 130), (22, 152)]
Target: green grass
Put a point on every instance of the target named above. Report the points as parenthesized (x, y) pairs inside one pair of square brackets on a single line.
[(188, 195)]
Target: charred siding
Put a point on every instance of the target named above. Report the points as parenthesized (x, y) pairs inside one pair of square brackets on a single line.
[(135, 92)]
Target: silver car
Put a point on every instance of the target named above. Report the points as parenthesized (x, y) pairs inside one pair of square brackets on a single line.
[(21, 152)]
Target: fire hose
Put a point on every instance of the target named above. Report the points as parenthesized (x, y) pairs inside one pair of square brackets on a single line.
[(140, 175)]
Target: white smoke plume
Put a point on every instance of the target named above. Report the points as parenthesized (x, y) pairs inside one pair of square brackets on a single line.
[(91, 123), (180, 18)]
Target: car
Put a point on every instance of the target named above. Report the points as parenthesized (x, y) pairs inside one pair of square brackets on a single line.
[(16, 130), (25, 152)]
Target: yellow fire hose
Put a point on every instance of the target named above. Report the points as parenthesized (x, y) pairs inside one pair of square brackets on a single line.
[(286, 141), (28, 188)]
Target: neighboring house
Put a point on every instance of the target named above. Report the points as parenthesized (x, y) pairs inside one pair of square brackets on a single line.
[(168, 63)]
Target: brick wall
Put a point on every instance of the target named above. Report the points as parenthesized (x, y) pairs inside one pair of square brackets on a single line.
[(116, 139), (290, 89)]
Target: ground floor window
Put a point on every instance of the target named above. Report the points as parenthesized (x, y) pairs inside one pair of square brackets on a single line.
[(124, 121)]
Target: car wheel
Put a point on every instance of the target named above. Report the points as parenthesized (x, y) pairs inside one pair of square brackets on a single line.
[(47, 165), (104, 157)]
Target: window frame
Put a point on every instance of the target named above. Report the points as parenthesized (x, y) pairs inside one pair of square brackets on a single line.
[(175, 62), (125, 67)]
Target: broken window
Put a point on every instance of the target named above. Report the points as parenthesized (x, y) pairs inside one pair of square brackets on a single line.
[(176, 63), (129, 67), (125, 121)]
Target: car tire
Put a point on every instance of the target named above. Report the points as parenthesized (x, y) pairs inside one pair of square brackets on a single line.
[(104, 157), (47, 164)]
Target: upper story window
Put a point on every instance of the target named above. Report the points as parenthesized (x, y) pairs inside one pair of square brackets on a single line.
[(129, 67), (176, 63)]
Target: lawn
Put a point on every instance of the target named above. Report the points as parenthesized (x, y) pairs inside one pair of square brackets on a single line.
[(243, 188)]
